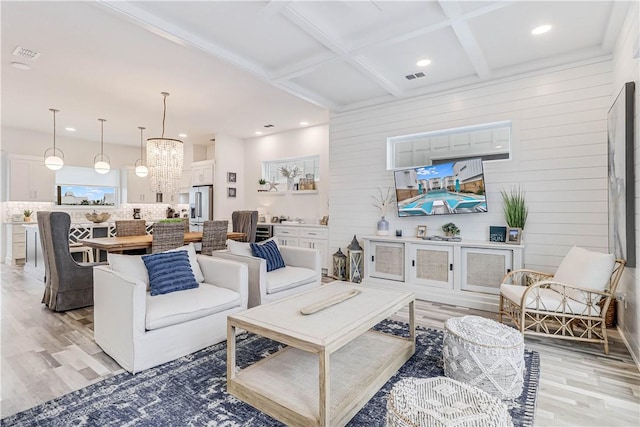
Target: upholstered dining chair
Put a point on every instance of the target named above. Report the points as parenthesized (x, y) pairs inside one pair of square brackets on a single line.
[(167, 235), (214, 236), (245, 222), (68, 284), (131, 227)]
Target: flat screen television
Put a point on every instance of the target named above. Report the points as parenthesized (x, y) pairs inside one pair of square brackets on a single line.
[(455, 187)]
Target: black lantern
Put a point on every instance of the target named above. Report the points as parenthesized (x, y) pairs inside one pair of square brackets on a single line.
[(339, 271), (355, 259)]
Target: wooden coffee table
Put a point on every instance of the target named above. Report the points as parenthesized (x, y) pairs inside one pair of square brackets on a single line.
[(333, 363)]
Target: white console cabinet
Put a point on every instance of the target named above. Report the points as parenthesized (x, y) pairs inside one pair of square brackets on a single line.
[(466, 273), (304, 236)]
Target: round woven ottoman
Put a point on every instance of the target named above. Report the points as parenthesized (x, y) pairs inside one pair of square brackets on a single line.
[(485, 354), (443, 402)]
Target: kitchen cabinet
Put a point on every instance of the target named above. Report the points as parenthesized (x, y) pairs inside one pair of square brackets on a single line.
[(305, 237), (15, 243), (30, 180), (465, 273), (202, 173), (138, 190), (34, 259)]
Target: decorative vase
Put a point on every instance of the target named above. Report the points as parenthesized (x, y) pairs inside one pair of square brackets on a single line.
[(27, 219), (290, 184), (383, 227)]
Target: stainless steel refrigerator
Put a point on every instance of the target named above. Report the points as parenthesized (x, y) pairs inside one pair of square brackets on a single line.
[(201, 206)]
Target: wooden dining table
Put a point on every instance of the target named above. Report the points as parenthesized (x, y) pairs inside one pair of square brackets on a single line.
[(119, 244)]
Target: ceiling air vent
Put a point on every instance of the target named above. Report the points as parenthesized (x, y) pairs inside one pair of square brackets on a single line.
[(268, 126), (414, 76), (25, 53)]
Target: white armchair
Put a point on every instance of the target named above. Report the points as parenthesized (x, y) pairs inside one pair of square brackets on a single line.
[(302, 272), (141, 331), (571, 304)]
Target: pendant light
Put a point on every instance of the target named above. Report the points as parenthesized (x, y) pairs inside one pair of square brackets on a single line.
[(101, 166), (141, 169), (54, 161), (164, 159)]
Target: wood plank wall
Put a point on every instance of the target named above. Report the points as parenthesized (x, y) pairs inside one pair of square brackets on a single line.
[(558, 156)]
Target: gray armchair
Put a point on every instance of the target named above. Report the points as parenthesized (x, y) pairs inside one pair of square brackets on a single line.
[(68, 284)]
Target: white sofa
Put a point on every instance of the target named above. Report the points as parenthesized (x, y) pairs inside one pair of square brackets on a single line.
[(302, 272), (141, 331)]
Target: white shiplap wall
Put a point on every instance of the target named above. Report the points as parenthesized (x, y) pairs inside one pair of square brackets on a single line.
[(559, 154), (626, 68)]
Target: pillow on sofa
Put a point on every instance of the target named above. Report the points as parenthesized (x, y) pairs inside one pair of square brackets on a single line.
[(130, 266), (193, 260), (270, 252), (169, 272), (584, 269), (242, 248)]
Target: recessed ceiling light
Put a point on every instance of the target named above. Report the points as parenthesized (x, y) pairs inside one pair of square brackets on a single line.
[(258, 133), (20, 66), (541, 29), (304, 123), (182, 135), (423, 62), (70, 129)]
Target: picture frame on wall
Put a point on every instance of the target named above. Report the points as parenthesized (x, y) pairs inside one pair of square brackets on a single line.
[(620, 176), (231, 192), (497, 233), (422, 231), (231, 177), (514, 235)]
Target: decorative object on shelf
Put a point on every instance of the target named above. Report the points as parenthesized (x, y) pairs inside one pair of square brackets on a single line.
[(27, 215), (98, 217), (383, 202), (339, 270), (398, 233), (231, 191), (422, 231), (290, 173), (497, 233), (164, 159), (324, 220), (355, 259), (514, 235), (621, 182), (262, 182), (273, 185), (55, 161), (100, 165), (141, 169), (450, 229), (515, 208), (231, 177)]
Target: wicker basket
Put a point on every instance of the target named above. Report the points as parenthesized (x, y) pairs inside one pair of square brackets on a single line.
[(610, 317)]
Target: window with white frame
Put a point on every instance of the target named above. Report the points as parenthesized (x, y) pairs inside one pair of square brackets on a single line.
[(306, 166)]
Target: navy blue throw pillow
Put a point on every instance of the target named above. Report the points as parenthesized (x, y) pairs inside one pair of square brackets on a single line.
[(169, 272), (270, 252)]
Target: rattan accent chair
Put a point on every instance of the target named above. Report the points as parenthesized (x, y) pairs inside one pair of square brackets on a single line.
[(167, 236), (245, 222), (131, 227), (540, 304), (214, 236)]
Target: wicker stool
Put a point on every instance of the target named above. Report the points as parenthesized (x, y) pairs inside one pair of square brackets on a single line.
[(485, 354), (443, 402)]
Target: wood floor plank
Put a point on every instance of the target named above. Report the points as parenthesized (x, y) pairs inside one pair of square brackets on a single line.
[(46, 355)]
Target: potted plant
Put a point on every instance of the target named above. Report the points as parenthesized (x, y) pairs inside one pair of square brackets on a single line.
[(515, 209), (262, 182), (27, 215), (450, 229)]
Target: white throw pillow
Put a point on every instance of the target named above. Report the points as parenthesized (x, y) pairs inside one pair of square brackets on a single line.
[(585, 269), (242, 248), (193, 260), (129, 265)]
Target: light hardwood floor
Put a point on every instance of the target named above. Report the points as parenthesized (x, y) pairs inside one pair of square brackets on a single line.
[(45, 355)]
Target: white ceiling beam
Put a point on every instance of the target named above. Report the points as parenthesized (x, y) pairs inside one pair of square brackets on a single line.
[(304, 66), (614, 24), (314, 31), (466, 38), (274, 8), (307, 95)]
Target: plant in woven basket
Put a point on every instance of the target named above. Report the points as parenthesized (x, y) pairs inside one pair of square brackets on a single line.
[(515, 208)]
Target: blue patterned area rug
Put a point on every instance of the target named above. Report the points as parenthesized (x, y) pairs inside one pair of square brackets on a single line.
[(191, 391)]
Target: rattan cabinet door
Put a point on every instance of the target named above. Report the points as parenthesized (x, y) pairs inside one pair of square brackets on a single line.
[(386, 261), (483, 269), (431, 265)]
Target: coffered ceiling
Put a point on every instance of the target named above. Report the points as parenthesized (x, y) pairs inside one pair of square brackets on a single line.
[(232, 66)]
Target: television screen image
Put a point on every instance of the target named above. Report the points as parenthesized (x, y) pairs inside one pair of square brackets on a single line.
[(448, 188)]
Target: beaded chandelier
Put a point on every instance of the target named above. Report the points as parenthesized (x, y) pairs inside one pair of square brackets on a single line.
[(164, 160)]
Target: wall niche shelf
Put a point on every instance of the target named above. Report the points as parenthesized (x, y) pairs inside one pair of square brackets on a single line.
[(281, 193)]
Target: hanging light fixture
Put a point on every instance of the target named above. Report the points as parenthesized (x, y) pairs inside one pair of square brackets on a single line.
[(164, 159), (100, 165), (54, 161), (141, 169)]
